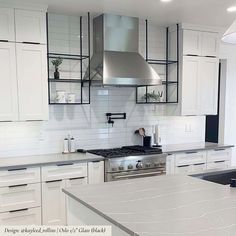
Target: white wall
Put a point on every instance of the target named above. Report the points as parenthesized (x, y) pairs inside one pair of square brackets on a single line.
[(228, 52)]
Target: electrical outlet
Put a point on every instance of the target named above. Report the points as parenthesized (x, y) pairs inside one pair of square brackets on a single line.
[(188, 128), (41, 136)]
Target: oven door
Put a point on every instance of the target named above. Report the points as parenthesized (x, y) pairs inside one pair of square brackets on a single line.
[(134, 174)]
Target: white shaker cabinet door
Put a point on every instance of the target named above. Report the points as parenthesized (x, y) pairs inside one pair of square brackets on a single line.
[(192, 42), (208, 86), (190, 85), (30, 26), (210, 44), (8, 83), (53, 203), (32, 81), (7, 32)]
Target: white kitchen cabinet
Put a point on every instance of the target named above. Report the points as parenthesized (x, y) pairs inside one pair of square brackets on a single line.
[(170, 164), (190, 85), (96, 172), (8, 82), (210, 44), (20, 197), (190, 158), (18, 176), (26, 216), (32, 81), (64, 171), (199, 85), (200, 43), (192, 42), (75, 182), (7, 28), (218, 165), (30, 26), (208, 86), (53, 203)]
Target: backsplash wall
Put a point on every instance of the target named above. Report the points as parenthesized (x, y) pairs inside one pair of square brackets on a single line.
[(88, 126)]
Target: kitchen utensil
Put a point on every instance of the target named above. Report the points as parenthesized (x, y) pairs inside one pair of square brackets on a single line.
[(147, 141), (140, 131)]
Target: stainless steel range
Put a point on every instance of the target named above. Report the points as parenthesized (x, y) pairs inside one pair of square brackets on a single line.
[(132, 162)]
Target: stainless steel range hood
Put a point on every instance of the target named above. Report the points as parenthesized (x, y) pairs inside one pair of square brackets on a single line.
[(115, 59)]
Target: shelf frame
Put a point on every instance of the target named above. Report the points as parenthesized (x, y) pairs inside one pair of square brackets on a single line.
[(78, 57), (165, 63)]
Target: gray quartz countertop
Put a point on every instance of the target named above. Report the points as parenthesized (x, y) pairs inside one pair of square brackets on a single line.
[(50, 159), (163, 206), (198, 146)]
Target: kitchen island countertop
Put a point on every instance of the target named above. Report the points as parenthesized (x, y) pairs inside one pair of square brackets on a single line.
[(162, 206)]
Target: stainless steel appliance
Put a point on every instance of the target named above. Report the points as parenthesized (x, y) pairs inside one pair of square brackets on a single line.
[(116, 60), (132, 162)]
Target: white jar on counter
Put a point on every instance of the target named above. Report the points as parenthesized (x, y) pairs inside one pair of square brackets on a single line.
[(71, 97), (60, 96)]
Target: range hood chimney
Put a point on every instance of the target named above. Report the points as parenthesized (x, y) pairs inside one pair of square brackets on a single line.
[(115, 60)]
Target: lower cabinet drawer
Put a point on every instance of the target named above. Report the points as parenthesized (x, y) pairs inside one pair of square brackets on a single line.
[(218, 165), (185, 169), (16, 176), (198, 168), (65, 171), (189, 158), (74, 182), (30, 216), (20, 197), (219, 155)]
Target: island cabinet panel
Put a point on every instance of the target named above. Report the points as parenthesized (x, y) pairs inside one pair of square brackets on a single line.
[(8, 82), (30, 26), (32, 81), (7, 31), (53, 203), (30, 216), (78, 214)]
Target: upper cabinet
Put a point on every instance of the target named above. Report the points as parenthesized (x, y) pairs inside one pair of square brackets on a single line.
[(23, 76), (32, 81), (8, 83), (30, 26), (7, 31), (200, 43), (199, 72)]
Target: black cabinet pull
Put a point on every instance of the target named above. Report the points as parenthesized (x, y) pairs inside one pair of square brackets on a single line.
[(219, 161), (17, 169), (95, 161), (191, 152), (184, 166), (25, 209), (220, 149), (54, 181), (192, 55), (65, 164), (198, 164), (30, 42), (77, 178), (19, 185), (5, 41)]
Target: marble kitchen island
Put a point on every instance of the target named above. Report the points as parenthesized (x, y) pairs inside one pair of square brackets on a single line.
[(156, 206)]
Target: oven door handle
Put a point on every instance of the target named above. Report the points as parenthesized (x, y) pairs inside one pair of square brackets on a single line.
[(139, 175)]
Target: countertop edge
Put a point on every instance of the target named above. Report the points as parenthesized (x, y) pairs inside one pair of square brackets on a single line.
[(198, 149), (59, 162), (122, 227)]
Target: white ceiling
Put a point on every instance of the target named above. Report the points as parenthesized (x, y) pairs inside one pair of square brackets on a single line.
[(204, 12)]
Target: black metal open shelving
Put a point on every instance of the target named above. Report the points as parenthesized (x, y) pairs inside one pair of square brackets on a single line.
[(167, 63), (78, 57)]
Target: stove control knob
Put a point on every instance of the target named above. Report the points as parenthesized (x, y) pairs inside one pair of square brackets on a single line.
[(156, 164), (148, 165), (121, 167), (130, 167), (114, 169), (139, 165)]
